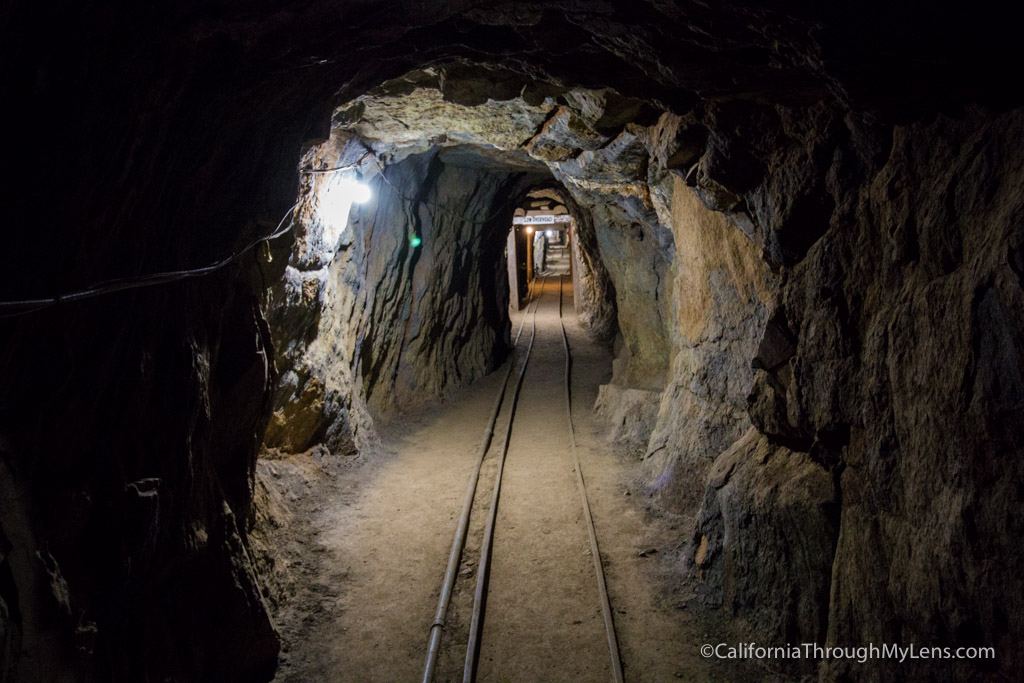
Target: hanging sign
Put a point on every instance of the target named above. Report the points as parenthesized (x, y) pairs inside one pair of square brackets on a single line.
[(541, 219)]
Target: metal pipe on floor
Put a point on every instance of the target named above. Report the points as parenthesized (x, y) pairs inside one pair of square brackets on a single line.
[(436, 628), (469, 669)]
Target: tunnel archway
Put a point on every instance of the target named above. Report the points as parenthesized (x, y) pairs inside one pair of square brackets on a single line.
[(880, 195)]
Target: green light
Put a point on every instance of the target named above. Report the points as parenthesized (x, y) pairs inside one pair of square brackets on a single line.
[(415, 241)]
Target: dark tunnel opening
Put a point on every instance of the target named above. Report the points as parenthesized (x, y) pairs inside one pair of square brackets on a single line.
[(791, 333)]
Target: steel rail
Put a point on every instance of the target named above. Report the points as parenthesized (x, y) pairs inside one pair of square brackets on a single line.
[(602, 589)]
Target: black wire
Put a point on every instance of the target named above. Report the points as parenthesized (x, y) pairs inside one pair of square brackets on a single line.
[(356, 164), (122, 284), (24, 312)]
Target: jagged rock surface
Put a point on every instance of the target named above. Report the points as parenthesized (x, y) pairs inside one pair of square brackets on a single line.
[(745, 247), (375, 323), (719, 291), (587, 140), (162, 137)]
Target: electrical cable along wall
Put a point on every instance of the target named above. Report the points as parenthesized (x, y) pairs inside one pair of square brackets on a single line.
[(350, 191), (20, 307)]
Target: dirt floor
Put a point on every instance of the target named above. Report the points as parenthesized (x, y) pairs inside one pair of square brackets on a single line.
[(364, 543)]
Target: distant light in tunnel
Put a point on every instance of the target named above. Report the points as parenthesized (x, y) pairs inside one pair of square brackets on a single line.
[(334, 204), (415, 241)]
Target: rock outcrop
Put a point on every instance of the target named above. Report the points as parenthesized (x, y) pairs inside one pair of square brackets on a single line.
[(864, 380), (720, 292), (376, 321)]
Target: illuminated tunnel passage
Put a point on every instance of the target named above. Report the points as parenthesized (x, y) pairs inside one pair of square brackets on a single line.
[(269, 267)]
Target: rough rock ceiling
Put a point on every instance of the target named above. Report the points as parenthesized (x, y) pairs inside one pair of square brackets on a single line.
[(191, 74), (892, 58), (489, 118), (579, 132), (412, 111), (492, 159)]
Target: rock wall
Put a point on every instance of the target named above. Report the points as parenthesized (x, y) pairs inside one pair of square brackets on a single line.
[(130, 422), (840, 295), (876, 379), (593, 292), (378, 324), (720, 292), (123, 502), (768, 526), (597, 152), (930, 288)]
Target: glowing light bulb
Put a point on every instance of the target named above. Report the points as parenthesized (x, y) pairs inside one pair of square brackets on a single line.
[(358, 192), (529, 230), (334, 205)]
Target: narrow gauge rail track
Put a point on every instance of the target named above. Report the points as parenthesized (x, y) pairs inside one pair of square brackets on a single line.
[(459, 541)]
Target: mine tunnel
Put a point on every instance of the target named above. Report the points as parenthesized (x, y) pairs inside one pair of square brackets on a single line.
[(520, 341)]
